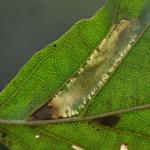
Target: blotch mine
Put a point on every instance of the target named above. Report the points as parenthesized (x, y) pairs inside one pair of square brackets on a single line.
[(94, 73)]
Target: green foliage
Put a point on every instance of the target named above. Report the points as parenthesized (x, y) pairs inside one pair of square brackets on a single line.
[(51, 67)]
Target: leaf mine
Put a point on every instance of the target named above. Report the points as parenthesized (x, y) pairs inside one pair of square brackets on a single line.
[(95, 72)]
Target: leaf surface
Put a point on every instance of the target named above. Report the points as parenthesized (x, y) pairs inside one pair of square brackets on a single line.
[(46, 72)]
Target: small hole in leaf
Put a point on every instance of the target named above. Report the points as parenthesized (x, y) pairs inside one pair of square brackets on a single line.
[(37, 136)]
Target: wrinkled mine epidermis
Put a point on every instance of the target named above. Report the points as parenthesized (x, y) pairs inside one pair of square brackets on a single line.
[(96, 71)]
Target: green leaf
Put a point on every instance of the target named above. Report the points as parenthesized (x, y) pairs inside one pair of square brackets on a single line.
[(51, 67)]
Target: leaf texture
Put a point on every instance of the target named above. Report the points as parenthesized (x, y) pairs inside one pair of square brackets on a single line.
[(46, 72)]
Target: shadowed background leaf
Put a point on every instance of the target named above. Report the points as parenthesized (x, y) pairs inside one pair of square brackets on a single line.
[(28, 25)]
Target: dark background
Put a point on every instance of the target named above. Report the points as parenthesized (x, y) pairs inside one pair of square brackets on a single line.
[(26, 26)]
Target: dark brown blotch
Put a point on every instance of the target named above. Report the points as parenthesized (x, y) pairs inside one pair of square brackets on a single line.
[(110, 121), (44, 113)]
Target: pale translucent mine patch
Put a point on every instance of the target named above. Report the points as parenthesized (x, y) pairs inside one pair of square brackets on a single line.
[(96, 71)]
